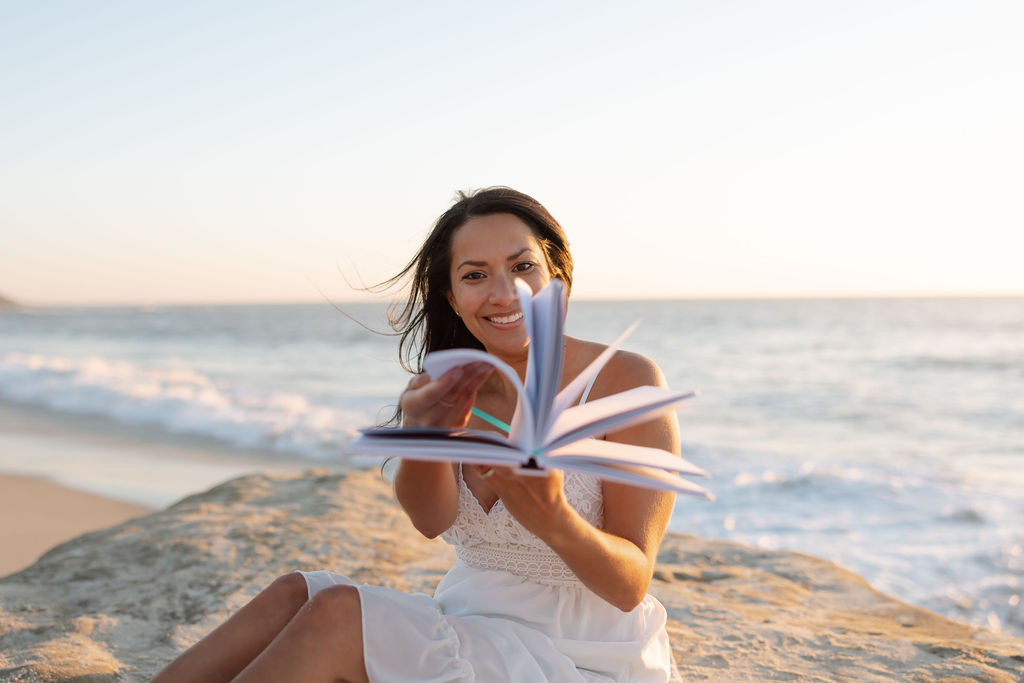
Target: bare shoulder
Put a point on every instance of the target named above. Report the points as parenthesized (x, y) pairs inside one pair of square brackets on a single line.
[(625, 370), (634, 370)]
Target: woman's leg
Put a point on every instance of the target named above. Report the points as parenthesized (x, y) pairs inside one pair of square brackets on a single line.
[(229, 649), (323, 643)]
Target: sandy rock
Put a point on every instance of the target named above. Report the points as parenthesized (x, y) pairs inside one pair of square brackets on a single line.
[(118, 604), (739, 613)]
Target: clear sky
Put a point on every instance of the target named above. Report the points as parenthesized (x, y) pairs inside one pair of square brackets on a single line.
[(238, 151)]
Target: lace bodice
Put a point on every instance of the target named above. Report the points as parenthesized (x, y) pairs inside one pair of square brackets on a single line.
[(495, 540)]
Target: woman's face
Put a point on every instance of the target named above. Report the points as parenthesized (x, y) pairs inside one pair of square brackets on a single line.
[(488, 254)]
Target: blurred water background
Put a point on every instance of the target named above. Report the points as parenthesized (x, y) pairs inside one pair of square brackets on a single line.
[(884, 434)]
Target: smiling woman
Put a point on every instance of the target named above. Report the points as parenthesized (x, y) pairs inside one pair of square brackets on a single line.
[(553, 569)]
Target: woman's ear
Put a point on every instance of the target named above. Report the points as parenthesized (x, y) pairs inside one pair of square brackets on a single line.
[(451, 302)]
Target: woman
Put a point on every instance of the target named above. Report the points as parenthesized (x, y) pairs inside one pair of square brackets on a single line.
[(553, 570)]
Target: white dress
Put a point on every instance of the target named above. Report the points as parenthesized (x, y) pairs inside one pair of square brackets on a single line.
[(509, 610)]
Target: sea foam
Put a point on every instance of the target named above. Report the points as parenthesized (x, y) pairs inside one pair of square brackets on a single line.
[(181, 400)]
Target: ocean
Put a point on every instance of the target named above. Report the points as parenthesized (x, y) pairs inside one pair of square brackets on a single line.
[(886, 435)]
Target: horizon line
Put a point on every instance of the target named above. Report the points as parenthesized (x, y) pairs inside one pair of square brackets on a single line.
[(779, 296)]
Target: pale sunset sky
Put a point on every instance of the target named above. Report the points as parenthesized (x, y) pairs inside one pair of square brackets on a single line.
[(238, 152)]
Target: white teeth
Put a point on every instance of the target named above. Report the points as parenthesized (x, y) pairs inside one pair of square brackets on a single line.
[(506, 319)]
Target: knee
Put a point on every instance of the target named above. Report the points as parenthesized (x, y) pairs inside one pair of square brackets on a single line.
[(336, 608), (289, 589)]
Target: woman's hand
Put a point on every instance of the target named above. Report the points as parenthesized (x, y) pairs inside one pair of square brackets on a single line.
[(446, 401), (536, 501)]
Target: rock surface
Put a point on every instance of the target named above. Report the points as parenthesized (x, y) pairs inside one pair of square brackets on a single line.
[(118, 604)]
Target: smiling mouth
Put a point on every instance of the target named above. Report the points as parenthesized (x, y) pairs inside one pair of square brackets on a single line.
[(505, 319)]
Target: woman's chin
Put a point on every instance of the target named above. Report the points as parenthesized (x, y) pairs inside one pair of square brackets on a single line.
[(509, 348)]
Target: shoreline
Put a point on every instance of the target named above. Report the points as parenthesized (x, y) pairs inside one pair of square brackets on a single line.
[(130, 463), (65, 475)]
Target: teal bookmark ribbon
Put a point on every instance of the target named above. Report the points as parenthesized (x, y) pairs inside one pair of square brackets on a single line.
[(491, 419)]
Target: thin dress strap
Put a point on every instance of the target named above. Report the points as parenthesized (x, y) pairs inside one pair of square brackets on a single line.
[(586, 391)]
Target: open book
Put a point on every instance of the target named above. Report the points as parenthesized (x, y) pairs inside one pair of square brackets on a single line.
[(547, 429)]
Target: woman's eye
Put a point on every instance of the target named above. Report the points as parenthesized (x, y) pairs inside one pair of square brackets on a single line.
[(474, 275), (524, 267)]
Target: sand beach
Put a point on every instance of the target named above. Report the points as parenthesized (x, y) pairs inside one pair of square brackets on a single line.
[(39, 514), (139, 585)]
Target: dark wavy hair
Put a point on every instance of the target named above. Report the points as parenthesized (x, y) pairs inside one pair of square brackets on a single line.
[(426, 321)]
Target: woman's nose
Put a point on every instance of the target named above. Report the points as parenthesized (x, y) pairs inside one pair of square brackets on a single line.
[(504, 291)]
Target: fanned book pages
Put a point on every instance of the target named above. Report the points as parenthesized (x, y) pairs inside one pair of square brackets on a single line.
[(548, 430)]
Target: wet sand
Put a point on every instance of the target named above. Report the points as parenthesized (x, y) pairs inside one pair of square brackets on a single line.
[(36, 515)]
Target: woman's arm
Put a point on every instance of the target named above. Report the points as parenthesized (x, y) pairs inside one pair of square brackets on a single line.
[(428, 491), (615, 562), (429, 494)]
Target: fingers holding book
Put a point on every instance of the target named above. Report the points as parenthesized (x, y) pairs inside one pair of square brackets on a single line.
[(536, 500), (445, 401)]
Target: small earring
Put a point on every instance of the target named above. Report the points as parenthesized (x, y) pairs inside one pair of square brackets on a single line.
[(458, 314)]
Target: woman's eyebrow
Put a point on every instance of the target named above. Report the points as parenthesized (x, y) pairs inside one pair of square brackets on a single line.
[(478, 264)]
